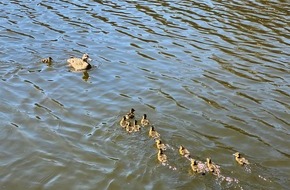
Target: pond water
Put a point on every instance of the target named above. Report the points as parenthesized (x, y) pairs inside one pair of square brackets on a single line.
[(212, 76)]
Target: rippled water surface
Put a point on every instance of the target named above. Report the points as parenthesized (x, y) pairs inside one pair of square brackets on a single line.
[(211, 75)]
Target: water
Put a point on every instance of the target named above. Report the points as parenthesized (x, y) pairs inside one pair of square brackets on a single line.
[(211, 75)]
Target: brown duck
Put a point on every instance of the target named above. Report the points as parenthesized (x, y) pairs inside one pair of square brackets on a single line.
[(80, 64)]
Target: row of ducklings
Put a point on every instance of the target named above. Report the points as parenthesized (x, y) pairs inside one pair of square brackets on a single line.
[(78, 64), (196, 165)]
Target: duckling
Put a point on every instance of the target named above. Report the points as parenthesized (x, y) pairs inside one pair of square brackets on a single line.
[(152, 133), (130, 114), (47, 60), (161, 156), (210, 165), (241, 160), (184, 152), (124, 122), (129, 128), (160, 145), (144, 121), (136, 127), (80, 64), (194, 165)]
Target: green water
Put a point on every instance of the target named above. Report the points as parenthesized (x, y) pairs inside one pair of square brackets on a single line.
[(211, 75)]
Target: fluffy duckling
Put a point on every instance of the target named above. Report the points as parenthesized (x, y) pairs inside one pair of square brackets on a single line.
[(194, 165), (184, 152), (160, 145), (211, 167), (152, 133), (241, 160), (136, 127), (161, 156), (144, 121), (130, 114), (124, 122), (47, 60), (80, 64), (129, 128)]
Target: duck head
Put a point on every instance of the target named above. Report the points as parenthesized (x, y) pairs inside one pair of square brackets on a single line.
[(86, 57)]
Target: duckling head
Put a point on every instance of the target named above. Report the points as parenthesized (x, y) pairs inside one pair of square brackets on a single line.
[(86, 57), (135, 122), (152, 128), (181, 147), (132, 110), (237, 154), (158, 141), (193, 161), (50, 59), (208, 160), (144, 116)]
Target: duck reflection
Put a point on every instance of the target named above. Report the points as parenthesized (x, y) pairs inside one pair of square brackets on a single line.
[(86, 76)]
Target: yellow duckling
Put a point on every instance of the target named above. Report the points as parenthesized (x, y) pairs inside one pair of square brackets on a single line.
[(80, 64), (144, 121), (152, 133), (47, 60), (211, 167), (241, 160), (136, 127), (161, 156), (124, 122), (194, 165), (184, 152), (129, 128), (130, 114), (160, 145)]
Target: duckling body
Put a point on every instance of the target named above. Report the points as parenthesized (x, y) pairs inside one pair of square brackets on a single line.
[(80, 64), (194, 165), (241, 160), (153, 134), (184, 152), (144, 121), (124, 122), (211, 166), (136, 127), (130, 114), (161, 156), (47, 60), (129, 128), (160, 145)]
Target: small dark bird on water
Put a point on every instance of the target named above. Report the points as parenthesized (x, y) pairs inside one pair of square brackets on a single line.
[(46, 60)]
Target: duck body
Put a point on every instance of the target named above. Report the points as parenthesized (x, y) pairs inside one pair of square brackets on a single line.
[(124, 122), (129, 128), (194, 165), (160, 145), (161, 156), (130, 114), (144, 121), (136, 127), (47, 60), (212, 167), (80, 64), (241, 160), (184, 152), (153, 134)]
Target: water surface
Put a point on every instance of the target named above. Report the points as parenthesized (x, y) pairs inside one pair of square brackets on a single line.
[(211, 75)]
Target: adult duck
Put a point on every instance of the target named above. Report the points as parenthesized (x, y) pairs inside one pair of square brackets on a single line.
[(80, 64)]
